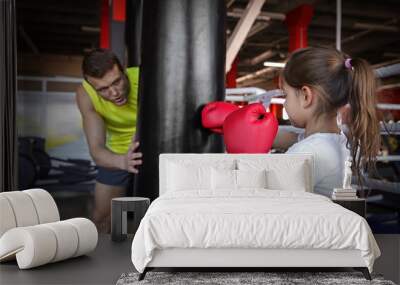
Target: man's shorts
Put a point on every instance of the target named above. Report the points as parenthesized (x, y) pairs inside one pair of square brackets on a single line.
[(114, 177)]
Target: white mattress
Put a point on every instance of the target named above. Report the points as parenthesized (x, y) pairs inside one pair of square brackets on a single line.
[(253, 218)]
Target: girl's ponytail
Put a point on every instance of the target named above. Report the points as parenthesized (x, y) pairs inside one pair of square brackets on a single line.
[(364, 129)]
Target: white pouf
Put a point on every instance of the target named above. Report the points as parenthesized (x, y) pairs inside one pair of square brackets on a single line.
[(45, 205), (87, 233), (7, 220), (33, 246), (31, 232), (23, 208), (40, 244), (67, 240)]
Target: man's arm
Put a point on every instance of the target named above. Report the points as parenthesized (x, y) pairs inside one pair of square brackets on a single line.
[(94, 129)]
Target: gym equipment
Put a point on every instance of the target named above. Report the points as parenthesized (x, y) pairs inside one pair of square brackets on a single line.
[(253, 95), (27, 173), (33, 147), (173, 89), (250, 130), (36, 164)]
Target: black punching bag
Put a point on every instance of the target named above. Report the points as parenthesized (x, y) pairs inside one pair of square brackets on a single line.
[(133, 31), (182, 68)]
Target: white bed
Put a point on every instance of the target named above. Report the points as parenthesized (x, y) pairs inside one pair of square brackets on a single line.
[(223, 210)]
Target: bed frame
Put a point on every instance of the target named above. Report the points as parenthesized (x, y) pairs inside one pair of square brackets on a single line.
[(245, 259), (250, 258)]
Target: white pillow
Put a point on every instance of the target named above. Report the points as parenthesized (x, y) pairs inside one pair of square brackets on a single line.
[(193, 174), (183, 177), (223, 179), (237, 179), (251, 178), (294, 180), (282, 174)]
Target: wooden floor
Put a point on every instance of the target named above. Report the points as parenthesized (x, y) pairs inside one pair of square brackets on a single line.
[(102, 266)]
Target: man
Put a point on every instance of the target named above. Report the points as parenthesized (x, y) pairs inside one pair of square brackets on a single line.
[(107, 100)]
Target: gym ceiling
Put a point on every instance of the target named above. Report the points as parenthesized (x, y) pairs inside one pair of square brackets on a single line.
[(370, 29)]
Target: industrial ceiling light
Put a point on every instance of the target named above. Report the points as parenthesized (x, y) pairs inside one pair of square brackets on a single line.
[(274, 64)]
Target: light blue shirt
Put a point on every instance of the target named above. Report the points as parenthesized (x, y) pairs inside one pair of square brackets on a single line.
[(330, 152)]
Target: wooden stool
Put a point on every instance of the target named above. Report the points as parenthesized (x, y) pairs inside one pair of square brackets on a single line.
[(119, 207)]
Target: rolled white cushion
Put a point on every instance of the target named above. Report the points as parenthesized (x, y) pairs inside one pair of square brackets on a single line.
[(23, 208), (87, 235), (7, 218), (40, 244), (45, 205), (67, 239), (33, 246)]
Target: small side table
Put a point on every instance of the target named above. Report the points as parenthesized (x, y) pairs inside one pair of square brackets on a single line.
[(357, 205), (119, 207)]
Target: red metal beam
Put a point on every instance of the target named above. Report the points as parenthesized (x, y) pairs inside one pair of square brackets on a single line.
[(297, 21), (119, 10), (105, 25)]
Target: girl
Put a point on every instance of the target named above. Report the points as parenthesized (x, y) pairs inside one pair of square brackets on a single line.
[(317, 82)]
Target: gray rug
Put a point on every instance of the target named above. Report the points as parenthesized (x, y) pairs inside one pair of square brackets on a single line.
[(230, 278)]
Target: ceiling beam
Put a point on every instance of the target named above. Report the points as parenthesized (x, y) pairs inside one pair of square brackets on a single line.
[(62, 19), (76, 49), (261, 72), (352, 24), (229, 3), (365, 44), (241, 30), (260, 58), (376, 27), (252, 82), (366, 32), (391, 54), (27, 39), (90, 29), (351, 9), (266, 54), (44, 39), (57, 30), (87, 7), (265, 16), (257, 27)]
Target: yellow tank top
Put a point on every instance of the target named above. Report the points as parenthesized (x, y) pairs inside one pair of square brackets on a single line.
[(120, 121)]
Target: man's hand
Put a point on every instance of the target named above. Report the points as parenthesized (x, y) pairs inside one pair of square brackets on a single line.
[(132, 159)]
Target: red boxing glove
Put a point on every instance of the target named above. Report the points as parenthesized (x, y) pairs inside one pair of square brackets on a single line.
[(213, 115), (250, 130)]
